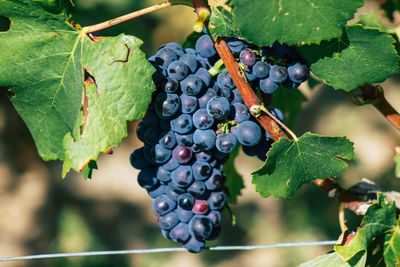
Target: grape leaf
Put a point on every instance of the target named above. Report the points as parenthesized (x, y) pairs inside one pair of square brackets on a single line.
[(359, 57), (289, 101), (221, 23), (290, 164), (234, 181), (120, 94), (42, 60), (372, 20), (380, 219), (292, 22), (334, 260)]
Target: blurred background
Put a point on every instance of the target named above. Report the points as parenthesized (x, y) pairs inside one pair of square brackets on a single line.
[(42, 213)]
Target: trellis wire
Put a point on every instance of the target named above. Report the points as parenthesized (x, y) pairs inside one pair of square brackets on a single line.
[(163, 250)]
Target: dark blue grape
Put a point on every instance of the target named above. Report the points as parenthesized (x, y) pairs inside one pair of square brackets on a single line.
[(184, 139), (200, 227), (184, 215), (205, 46), (191, 51), (151, 135), (151, 119), (210, 93), (171, 164), (278, 73), (280, 50), (162, 205), (203, 156), (198, 190), (190, 61), (239, 113), (247, 57), (158, 154), (277, 113), (138, 160), (204, 139), (288, 84), (236, 97), (204, 75), (182, 154), (168, 221), (163, 174), (147, 179), (165, 234), (171, 86), (248, 133), (218, 107), (182, 176), (178, 70), (227, 93), (160, 190), (165, 56), (159, 75), (202, 120), (167, 140), (188, 104), (176, 47), (192, 85), (261, 69), (217, 200), (224, 80), (165, 125), (268, 86), (186, 201), (201, 170), (215, 181), (215, 217), (298, 72), (180, 233), (236, 45), (140, 129), (250, 76), (173, 192), (226, 143), (194, 245), (166, 105), (182, 124)]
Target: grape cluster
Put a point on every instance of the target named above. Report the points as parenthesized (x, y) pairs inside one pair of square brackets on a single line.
[(192, 124), (270, 66)]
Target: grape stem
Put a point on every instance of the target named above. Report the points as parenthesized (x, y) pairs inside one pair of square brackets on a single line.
[(135, 14), (374, 95)]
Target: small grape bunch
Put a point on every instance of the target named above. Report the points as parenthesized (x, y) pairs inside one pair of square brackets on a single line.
[(270, 66)]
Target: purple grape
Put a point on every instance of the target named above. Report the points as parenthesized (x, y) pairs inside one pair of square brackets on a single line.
[(168, 221), (182, 176), (248, 133), (226, 143), (202, 120), (218, 107), (178, 70), (182, 154), (205, 46), (247, 57), (180, 233), (163, 205)]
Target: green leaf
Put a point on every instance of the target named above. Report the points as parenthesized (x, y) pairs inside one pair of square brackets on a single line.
[(373, 21), (292, 22), (391, 251), (221, 23), (290, 102), (122, 92), (359, 57), (334, 260), (291, 164), (234, 181), (42, 60), (88, 169), (380, 219)]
